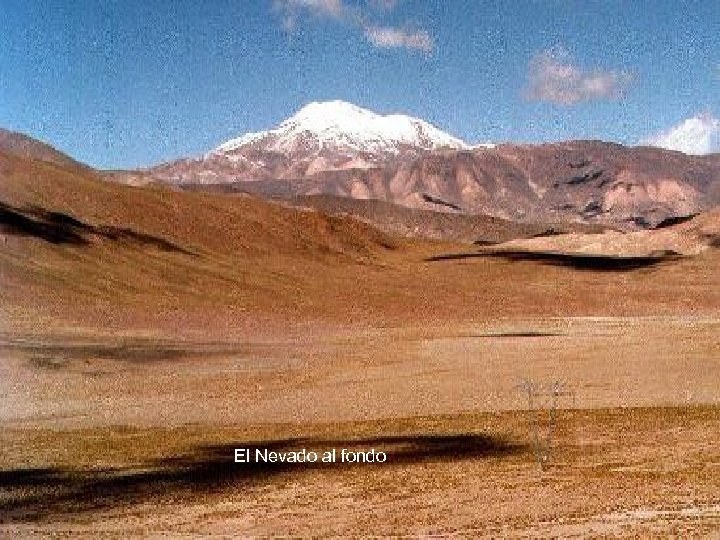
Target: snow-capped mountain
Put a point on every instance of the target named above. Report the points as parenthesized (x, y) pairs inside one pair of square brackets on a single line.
[(337, 125), (320, 138), (342, 150)]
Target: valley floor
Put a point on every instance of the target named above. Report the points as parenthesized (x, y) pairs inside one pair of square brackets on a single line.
[(134, 435)]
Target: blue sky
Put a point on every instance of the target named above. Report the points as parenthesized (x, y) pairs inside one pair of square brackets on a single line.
[(126, 83)]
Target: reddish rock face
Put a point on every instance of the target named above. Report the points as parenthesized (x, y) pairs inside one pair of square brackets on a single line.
[(578, 181)]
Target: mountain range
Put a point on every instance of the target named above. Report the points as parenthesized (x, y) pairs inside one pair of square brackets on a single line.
[(338, 149), (342, 151)]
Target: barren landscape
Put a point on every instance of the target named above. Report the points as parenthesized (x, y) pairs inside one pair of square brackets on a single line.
[(148, 332), (359, 269)]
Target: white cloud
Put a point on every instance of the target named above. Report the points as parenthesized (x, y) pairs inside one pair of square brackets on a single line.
[(699, 134), (292, 11), (389, 37), (553, 77)]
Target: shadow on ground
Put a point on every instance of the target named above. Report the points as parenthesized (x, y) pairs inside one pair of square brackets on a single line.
[(36, 494), (60, 228), (578, 261), (56, 354)]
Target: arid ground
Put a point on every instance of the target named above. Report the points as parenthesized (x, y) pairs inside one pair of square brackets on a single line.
[(119, 437), (136, 436)]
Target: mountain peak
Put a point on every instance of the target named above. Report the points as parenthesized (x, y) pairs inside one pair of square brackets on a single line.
[(335, 107), (344, 126)]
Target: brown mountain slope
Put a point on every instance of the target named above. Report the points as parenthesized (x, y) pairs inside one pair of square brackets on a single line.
[(26, 147), (396, 219), (72, 243), (198, 222), (601, 181), (418, 223), (687, 238), (576, 181)]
